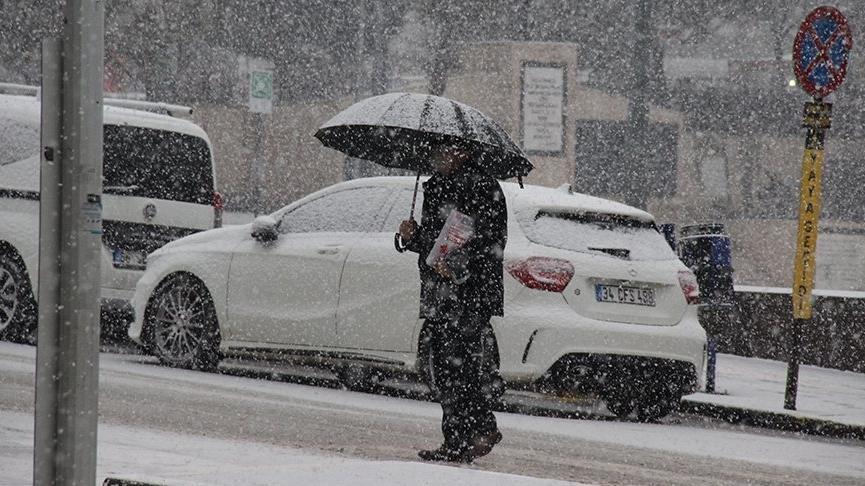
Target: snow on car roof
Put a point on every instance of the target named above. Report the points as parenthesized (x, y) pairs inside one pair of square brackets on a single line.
[(547, 198), (21, 107)]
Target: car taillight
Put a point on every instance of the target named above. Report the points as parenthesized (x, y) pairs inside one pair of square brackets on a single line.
[(542, 273), (688, 282), (218, 205)]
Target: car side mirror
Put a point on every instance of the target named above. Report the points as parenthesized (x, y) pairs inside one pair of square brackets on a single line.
[(265, 229)]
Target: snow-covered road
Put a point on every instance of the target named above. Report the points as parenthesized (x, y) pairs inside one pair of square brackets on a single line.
[(306, 435)]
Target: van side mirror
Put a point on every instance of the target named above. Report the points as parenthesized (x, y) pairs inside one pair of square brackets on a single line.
[(265, 229)]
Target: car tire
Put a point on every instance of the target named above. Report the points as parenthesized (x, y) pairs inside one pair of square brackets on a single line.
[(18, 309), (657, 401), (621, 391), (620, 406), (359, 378), (491, 362), (182, 324)]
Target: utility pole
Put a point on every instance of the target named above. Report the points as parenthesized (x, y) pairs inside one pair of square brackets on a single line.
[(67, 358), (638, 110)]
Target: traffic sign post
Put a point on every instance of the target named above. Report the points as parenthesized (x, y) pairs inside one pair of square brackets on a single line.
[(820, 54), (260, 88)]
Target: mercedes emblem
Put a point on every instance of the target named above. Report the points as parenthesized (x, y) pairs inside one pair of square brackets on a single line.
[(149, 212)]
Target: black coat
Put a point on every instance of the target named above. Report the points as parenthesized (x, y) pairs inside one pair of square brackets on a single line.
[(481, 197)]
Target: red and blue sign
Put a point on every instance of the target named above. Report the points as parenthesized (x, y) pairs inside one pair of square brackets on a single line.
[(821, 51)]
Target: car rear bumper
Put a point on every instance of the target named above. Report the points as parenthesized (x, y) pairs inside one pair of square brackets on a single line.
[(541, 335)]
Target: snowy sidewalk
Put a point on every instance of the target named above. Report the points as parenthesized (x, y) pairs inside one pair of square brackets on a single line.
[(165, 458), (755, 387)]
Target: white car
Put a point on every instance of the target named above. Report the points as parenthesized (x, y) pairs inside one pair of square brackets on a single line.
[(595, 299), (158, 185)]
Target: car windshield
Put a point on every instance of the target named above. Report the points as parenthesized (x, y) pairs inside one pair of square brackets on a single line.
[(599, 233), (158, 164)]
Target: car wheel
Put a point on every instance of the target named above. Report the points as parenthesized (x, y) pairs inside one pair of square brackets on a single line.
[(184, 332), (18, 308), (620, 406), (356, 377), (657, 402), (621, 391)]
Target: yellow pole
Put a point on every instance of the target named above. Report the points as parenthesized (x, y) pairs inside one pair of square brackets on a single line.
[(817, 119)]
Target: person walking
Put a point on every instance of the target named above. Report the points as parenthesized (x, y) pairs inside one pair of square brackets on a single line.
[(459, 295)]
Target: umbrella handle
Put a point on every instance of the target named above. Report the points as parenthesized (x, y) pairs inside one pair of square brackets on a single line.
[(397, 239), (398, 244), (414, 196)]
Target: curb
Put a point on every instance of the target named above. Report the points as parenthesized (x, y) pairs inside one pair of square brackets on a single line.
[(774, 420)]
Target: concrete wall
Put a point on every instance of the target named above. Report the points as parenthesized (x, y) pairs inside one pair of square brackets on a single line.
[(488, 76), (294, 163)]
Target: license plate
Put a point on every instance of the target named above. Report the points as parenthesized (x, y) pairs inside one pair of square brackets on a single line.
[(129, 259), (620, 294)]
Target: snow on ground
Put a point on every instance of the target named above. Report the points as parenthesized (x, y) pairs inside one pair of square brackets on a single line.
[(182, 460), (823, 394), (758, 384)]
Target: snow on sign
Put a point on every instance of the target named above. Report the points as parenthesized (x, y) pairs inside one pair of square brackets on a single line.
[(821, 51)]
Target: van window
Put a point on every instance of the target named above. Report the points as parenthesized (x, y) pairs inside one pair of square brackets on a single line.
[(157, 163), (598, 233)]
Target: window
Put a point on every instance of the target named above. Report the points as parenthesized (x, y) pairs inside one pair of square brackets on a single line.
[(610, 164), (713, 175), (157, 163), (602, 234), (401, 208), (353, 210)]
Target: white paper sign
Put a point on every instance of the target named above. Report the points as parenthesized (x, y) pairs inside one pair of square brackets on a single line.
[(543, 107)]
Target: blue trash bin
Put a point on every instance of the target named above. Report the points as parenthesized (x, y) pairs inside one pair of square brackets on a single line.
[(705, 249)]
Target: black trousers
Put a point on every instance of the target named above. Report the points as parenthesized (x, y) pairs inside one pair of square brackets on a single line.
[(468, 382)]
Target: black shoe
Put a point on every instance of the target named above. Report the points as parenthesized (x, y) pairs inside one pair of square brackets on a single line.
[(482, 444), (445, 454)]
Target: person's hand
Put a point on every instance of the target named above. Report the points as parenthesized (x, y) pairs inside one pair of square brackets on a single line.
[(442, 269), (407, 229)]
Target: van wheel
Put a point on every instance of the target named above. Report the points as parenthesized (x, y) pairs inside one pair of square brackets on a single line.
[(184, 332), (18, 308)]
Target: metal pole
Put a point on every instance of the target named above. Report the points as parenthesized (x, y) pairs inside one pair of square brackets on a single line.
[(76, 375), (795, 356), (49, 266), (817, 119), (258, 164)]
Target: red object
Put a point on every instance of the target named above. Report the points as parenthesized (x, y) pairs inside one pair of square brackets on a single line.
[(542, 273), (218, 207), (819, 64), (688, 282)]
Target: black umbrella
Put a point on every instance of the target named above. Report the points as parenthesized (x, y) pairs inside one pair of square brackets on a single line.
[(398, 130)]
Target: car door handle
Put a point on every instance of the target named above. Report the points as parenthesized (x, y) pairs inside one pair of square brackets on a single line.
[(329, 251)]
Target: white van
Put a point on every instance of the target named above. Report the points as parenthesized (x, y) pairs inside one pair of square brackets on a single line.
[(158, 185)]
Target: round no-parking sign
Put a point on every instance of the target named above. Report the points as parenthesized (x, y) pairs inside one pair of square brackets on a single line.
[(821, 51)]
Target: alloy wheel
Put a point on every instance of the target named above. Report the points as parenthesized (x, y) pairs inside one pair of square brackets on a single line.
[(9, 297), (180, 321)]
